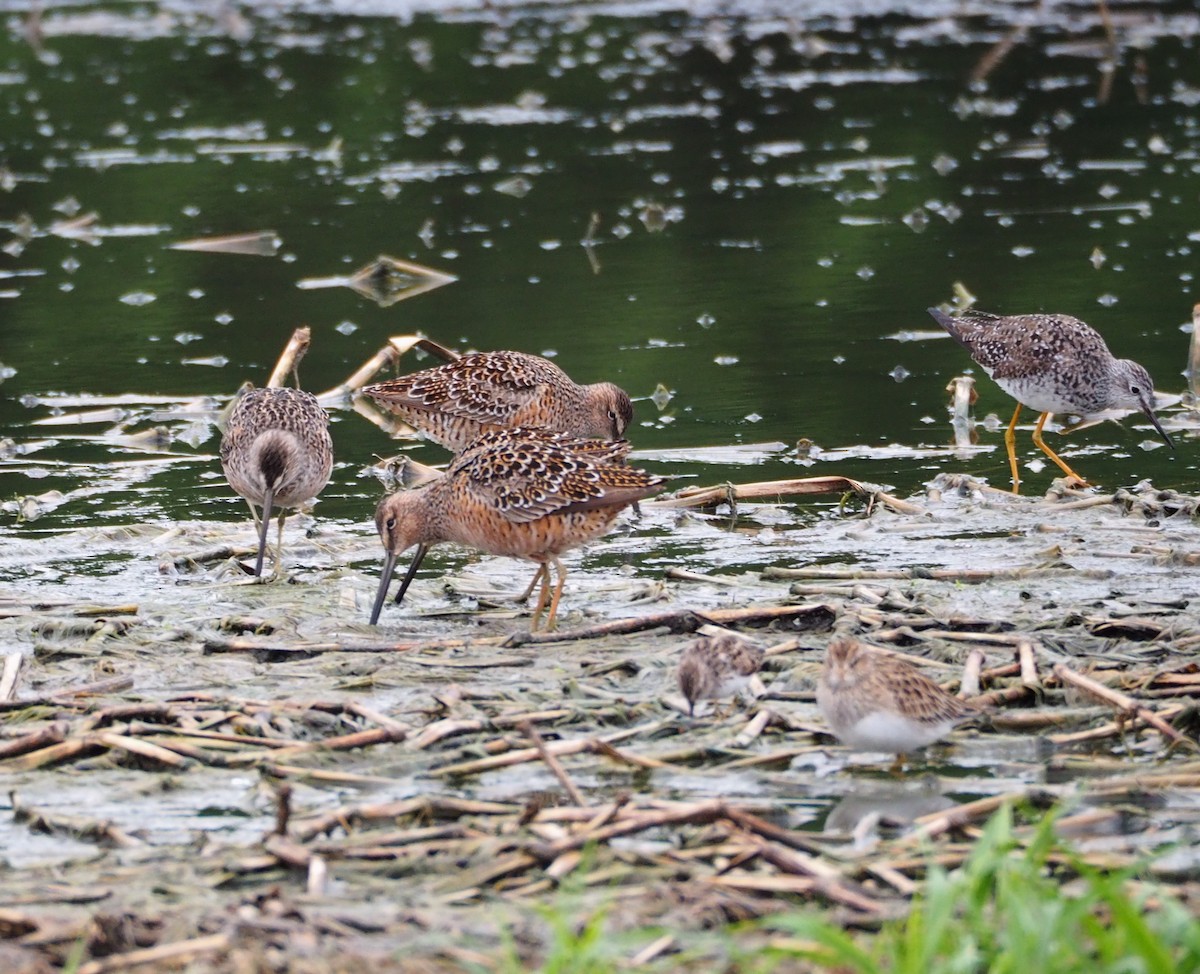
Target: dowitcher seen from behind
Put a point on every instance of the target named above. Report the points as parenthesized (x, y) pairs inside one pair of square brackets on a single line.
[(454, 404), (1053, 363), (526, 493), (276, 453), (876, 702)]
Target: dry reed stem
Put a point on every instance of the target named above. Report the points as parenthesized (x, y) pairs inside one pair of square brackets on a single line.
[(77, 826), (12, 671), (968, 576), (557, 748), (391, 353), (683, 621), (179, 952), (1125, 704), (552, 763), (291, 356), (1026, 655), (731, 493)]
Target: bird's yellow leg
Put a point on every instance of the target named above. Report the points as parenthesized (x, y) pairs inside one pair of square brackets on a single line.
[(1062, 464), (1010, 443)]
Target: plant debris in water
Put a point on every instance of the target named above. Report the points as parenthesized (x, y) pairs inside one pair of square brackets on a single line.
[(416, 787)]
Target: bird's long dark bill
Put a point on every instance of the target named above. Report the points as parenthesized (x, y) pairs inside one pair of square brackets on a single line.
[(268, 498), (1149, 411), (385, 579), (389, 568), (412, 571)]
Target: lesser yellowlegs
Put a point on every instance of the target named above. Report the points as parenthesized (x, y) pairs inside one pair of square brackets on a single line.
[(1052, 363)]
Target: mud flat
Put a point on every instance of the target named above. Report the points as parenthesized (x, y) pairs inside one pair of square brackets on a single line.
[(248, 777)]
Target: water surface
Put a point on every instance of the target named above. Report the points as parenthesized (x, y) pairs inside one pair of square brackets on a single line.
[(769, 202)]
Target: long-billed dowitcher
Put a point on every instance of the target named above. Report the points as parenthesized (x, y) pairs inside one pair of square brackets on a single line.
[(1052, 363), (526, 493), (454, 404), (276, 453), (875, 702), (715, 667)]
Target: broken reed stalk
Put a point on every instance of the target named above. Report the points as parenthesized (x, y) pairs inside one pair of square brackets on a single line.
[(76, 826), (691, 497), (181, 952), (391, 353), (1028, 661), (59, 698), (998, 52), (928, 826), (557, 748), (1111, 729), (1125, 704), (753, 730), (439, 730), (302, 649), (969, 684), (289, 359), (820, 616), (12, 670), (54, 733), (552, 763), (967, 576)]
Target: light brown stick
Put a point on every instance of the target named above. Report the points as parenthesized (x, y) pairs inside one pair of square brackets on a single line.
[(289, 360), (180, 950), (552, 763), (12, 669), (1123, 702)]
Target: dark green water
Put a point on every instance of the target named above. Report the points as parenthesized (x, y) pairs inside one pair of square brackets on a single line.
[(823, 180)]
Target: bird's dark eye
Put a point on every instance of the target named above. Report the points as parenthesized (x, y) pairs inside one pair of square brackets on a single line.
[(390, 523)]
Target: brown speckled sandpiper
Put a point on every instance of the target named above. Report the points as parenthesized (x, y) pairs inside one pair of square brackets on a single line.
[(276, 453), (876, 702), (526, 493), (454, 404), (1052, 363), (715, 667)]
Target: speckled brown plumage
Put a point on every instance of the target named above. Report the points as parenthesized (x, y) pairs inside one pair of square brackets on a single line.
[(876, 702), (454, 404), (715, 667), (1053, 363), (525, 493), (276, 453)]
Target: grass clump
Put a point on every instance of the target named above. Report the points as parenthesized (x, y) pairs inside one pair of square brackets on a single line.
[(1010, 909)]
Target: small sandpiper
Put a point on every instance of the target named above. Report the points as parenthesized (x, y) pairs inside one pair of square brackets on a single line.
[(1052, 363), (875, 702), (715, 667)]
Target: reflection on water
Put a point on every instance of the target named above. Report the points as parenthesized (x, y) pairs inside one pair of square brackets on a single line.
[(734, 216)]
